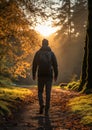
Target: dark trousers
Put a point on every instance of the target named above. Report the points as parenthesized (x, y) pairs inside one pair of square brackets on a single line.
[(47, 84)]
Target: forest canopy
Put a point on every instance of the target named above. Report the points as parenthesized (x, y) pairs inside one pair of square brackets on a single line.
[(19, 38)]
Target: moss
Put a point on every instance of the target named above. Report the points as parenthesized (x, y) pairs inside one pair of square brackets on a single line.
[(74, 85), (82, 105), (87, 119), (4, 108), (10, 96), (56, 86)]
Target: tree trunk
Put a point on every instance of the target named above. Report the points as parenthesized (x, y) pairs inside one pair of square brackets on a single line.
[(89, 42), (84, 68), (86, 77)]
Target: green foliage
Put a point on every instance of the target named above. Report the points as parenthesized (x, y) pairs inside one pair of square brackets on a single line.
[(10, 97), (4, 108), (82, 105), (5, 81), (74, 85)]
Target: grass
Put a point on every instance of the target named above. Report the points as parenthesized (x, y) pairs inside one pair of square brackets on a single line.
[(56, 86), (10, 97), (82, 105), (74, 85)]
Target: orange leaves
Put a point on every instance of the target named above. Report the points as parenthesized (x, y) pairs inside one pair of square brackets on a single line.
[(17, 41), (20, 69), (61, 115), (68, 125)]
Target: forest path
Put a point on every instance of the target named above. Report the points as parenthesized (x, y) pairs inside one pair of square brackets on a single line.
[(60, 117)]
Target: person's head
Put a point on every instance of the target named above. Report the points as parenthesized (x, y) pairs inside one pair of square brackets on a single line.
[(45, 42)]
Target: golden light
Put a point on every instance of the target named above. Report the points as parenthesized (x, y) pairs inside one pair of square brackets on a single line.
[(45, 30)]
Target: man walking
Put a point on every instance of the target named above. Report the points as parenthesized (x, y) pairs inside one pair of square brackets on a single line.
[(45, 64)]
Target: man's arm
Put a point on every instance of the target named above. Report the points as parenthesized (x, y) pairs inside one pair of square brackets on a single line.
[(34, 66), (55, 66)]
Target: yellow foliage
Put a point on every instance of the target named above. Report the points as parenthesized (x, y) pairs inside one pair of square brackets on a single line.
[(4, 108), (17, 41), (73, 85), (15, 92), (83, 106), (8, 96)]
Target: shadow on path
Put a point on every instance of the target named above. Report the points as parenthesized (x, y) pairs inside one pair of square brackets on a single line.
[(44, 123)]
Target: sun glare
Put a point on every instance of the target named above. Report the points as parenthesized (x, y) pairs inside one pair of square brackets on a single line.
[(45, 30)]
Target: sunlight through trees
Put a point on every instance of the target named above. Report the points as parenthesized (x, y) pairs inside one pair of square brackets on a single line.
[(66, 20)]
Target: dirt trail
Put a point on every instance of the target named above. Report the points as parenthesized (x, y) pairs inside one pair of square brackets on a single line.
[(60, 117)]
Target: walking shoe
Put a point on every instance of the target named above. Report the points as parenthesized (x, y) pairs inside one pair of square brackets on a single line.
[(41, 110)]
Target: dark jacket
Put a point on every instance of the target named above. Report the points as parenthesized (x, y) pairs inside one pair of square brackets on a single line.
[(36, 68)]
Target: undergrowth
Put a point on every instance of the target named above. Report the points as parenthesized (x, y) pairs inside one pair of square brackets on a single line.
[(74, 85), (4, 81), (10, 97), (82, 105)]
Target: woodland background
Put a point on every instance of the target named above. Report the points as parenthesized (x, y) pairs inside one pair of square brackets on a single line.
[(19, 41), (72, 44)]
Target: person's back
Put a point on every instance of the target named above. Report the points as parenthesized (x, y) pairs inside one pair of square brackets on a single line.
[(46, 63)]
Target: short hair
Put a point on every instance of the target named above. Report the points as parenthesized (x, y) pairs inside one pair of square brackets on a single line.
[(45, 42)]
